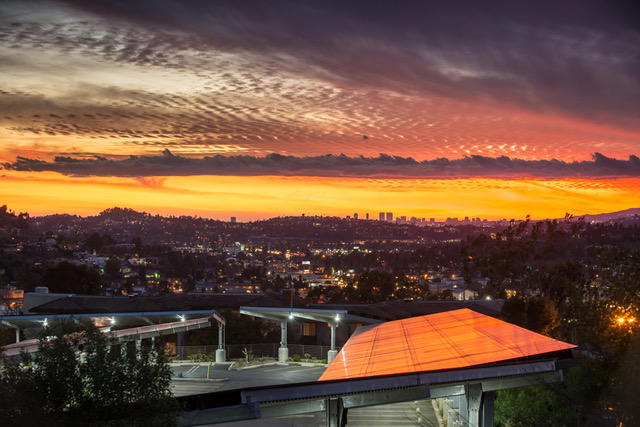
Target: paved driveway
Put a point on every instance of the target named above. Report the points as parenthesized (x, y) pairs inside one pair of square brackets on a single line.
[(190, 378)]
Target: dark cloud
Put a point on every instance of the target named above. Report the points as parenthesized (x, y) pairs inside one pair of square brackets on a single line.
[(577, 57), (383, 166)]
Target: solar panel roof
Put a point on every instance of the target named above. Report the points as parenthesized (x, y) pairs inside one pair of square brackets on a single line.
[(449, 340)]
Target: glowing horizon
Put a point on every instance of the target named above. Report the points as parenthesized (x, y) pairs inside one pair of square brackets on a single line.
[(257, 110), (253, 198)]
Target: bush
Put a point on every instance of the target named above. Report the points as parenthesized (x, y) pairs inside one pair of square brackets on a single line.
[(77, 379)]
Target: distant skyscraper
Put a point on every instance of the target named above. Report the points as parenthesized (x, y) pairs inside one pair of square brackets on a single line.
[(389, 216), (233, 219), (367, 217), (381, 217), (355, 215)]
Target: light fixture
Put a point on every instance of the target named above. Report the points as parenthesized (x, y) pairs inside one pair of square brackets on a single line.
[(181, 317), (290, 316), (337, 317)]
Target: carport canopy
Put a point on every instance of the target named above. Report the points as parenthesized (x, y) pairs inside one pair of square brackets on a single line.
[(288, 314)]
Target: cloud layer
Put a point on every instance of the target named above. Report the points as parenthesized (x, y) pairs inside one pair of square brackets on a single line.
[(427, 80), (383, 166)]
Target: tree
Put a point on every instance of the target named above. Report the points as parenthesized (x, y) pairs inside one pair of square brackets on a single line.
[(572, 402), (240, 329), (537, 314), (113, 269), (76, 378), (622, 397), (65, 277)]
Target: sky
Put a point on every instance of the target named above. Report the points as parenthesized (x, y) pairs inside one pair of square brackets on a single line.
[(256, 109)]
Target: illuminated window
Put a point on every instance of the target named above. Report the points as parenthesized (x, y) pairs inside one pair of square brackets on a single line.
[(309, 329)]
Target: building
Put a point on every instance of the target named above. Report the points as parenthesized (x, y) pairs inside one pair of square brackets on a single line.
[(355, 215), (389, 216), (381, 216)]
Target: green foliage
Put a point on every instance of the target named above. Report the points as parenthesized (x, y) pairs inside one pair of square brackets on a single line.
[(537, 314), (112, 269), (239, 330), (200, 357), (77, 379), (622, 397), (296, 358), (570, 403), (65, 277)]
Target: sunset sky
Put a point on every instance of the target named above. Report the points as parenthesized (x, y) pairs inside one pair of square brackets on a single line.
[(255, 109)]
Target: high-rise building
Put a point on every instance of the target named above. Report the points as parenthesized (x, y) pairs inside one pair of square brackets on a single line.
[(355, 215), (389, 216), (367, 216), (233, 219), (381, 216)]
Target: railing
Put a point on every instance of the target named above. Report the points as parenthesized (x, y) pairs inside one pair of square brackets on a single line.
[(236, 351)]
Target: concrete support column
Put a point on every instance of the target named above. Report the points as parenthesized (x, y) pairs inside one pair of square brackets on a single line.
[(181, 338), (333, 352), (17, 335), (336, 413), (221, 354), (138, 348), (488, 399), (283, 351), (460, 403), (473, 393)]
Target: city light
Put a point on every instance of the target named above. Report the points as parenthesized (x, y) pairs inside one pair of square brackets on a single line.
[(624, 319)]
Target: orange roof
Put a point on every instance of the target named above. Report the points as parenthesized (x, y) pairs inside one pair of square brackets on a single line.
[(449, 340)]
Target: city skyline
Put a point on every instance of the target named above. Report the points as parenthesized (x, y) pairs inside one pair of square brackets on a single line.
[(263, 109)]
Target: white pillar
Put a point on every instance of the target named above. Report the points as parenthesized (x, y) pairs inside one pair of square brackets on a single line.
[(473, 394), (333, 352), (283, 351), (221, 353)]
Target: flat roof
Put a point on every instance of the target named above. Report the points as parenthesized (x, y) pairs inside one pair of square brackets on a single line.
[(122, 335), (111, 319), (318, 315), (450, 340)]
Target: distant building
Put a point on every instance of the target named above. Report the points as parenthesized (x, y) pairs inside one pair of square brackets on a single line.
[(381, 216), (355, 215), (367, 217), (233, 219), (464, 294), (389, 216)]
